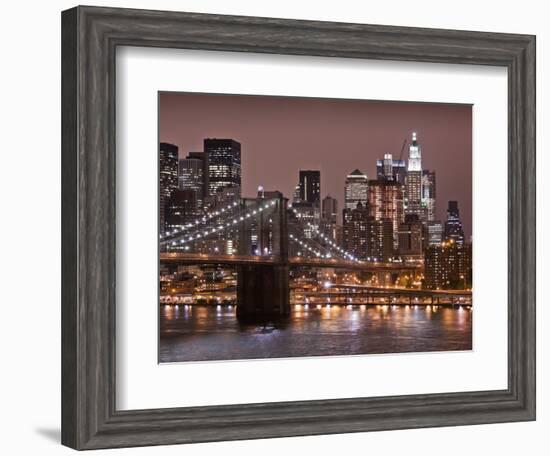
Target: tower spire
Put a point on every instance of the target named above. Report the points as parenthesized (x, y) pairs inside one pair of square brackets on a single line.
[(415, 155)]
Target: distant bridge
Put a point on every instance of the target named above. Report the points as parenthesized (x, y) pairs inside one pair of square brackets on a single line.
[(349, 293)]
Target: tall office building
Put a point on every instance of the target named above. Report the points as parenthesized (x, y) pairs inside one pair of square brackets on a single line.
[(204, 157), (224, 164), (453, 226), (310, 186), (365, 237), (355, 230), (192, 175), (329, 210), (329, 216), (385, 201), (180, 208), (414, 179), (356, 189), (428, 195), (168, 177), (379, 239), (410, 234), (434, 232), (415, 155), (390, 169)]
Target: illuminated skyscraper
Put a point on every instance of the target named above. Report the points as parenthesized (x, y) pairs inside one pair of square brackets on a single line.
[(329, 216), (307, 201), (434, 232), (168, 177), (453, 226), (356, 189), (428, 195), (415, 155), (181, 208), (414, 179), (310, 186), (224, 164), (390, 169), (365, 237), (192, 175), (379, 239), (385, 201), (355, 231)]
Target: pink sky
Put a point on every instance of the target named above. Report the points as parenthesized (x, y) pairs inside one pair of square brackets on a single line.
[(281, 135)]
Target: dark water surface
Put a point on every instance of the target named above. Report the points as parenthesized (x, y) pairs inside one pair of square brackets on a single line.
[(200, 333)]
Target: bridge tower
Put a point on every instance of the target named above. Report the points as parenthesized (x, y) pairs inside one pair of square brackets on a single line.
[(263, 292)]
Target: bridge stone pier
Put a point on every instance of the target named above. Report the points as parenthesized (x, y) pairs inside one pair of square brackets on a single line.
[(263, 292)]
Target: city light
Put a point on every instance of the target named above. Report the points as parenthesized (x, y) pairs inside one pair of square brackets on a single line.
[(381, 249)]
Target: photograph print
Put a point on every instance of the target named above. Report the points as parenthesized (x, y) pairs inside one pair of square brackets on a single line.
[(300, 227)]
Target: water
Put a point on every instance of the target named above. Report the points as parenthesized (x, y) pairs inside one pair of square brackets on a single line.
[(200, 333)]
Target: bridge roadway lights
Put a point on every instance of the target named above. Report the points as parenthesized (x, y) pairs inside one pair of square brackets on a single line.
[(263, 292)]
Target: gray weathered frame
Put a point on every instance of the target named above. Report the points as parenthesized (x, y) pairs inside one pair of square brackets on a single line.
[(90, 36)]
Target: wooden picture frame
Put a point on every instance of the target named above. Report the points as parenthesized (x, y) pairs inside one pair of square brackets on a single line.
[(90, 36)]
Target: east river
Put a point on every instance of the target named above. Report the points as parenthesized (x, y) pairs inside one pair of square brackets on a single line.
[(202, 333)]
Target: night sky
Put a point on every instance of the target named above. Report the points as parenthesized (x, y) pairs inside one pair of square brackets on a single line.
[(281, 135)]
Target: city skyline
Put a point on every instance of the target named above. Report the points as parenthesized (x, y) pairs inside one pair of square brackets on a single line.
[(453, 182), (294, 216)]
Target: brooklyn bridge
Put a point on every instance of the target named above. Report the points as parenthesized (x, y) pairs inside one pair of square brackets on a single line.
[(270, 239)]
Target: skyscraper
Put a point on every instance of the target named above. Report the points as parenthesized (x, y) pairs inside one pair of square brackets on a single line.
[(329, 210), (379, 239), (428, 194), (355, 230), (224, 164), (453, 226), (410, 236), (434, 232), (390, 169), (329, 216), (414, 179), (356, 189), (365, 237), (415, 155), (192, 176), (385, 200), (168, 177), (180, 208), (310, 186)]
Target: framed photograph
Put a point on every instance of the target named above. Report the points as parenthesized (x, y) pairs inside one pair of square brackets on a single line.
[(280, 228)]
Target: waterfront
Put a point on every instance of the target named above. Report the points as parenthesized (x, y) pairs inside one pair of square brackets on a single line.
[(205, 333)]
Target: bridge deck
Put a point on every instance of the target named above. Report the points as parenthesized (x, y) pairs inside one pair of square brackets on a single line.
[(200, 258)]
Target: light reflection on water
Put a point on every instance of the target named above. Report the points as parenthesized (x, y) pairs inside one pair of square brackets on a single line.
[(200, 333)]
